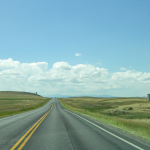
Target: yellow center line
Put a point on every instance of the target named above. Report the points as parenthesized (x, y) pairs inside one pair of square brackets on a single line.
[(25, 134), (26, 140), (36, 126)]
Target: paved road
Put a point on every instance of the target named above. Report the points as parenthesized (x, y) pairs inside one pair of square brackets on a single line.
[(60, 129)]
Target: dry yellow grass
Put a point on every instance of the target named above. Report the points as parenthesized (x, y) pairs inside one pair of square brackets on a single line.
[(17, 102), (137, 107), (129, 114)]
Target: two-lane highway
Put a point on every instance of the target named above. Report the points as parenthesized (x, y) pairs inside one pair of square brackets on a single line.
[(55, 128)]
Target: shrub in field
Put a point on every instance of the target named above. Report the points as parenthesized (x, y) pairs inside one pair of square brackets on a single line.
[(130, 108)]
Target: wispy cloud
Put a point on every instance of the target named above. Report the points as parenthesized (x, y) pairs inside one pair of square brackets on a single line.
[(123, 69), (77, 54), (98, 63)]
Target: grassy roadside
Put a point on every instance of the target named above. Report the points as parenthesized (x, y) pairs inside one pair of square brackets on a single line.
[(115, 112), (12, 103)]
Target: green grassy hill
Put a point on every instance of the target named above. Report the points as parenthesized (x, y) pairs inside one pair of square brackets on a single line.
[(12, 102)]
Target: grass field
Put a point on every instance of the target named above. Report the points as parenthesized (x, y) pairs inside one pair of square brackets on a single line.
[(129, 114), (17, 102)]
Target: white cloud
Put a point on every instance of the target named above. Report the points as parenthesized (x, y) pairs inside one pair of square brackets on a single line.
[(61, 66), (62, 78), (123, 69), (77, 54), (8, 64)]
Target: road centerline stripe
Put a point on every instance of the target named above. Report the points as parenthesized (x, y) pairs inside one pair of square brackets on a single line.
[(19, 141), (31, 130), (139, 148), (26, 140)]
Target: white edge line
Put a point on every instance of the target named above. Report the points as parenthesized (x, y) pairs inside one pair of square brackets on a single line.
[(107, 131)]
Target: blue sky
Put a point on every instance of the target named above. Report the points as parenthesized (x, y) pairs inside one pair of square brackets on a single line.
[(108, 34)]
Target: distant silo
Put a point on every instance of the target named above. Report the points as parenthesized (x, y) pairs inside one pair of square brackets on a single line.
[(148, 97)]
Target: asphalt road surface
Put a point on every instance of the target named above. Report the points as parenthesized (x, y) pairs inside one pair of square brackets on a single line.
[(52, 127)]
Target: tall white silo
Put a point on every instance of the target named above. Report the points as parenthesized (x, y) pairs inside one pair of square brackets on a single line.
[(148, 97)]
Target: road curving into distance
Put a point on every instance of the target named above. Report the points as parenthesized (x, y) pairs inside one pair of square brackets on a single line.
[(52, 127)]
